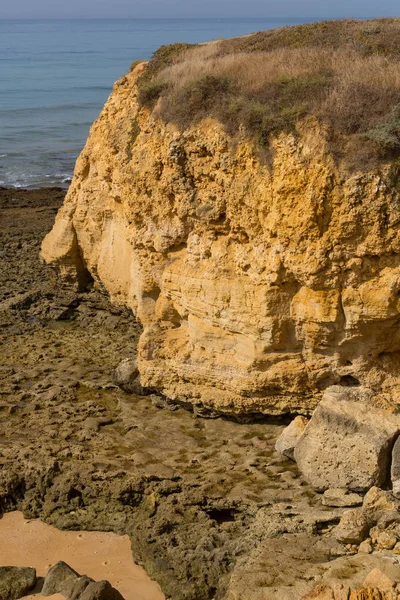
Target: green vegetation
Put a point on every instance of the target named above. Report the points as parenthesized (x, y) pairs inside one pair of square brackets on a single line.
[(345, 73), (164, 57), (135, 64)]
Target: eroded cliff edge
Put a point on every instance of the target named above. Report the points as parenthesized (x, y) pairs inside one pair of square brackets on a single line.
[(258, 285)]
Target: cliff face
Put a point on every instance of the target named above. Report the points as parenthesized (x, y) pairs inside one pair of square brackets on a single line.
[(257, 287)]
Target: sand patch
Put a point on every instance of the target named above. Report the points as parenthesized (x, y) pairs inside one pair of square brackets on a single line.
[(32, 543)]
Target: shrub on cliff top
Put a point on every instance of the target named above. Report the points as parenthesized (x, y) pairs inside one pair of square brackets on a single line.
[(345, 73)]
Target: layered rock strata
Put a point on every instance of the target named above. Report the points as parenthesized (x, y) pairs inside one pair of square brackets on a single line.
[(258, 286)]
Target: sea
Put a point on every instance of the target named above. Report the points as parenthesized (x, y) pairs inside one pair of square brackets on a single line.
[(55, 76)]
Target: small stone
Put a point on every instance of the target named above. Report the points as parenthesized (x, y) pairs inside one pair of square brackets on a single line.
[(386, 540), (15, 582), (353, 527), (365, 547), (396, 549), (377, 579), (340, 497), (286, 442), (374, 533)]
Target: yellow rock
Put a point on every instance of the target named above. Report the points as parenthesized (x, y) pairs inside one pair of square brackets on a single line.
[(257, 287)]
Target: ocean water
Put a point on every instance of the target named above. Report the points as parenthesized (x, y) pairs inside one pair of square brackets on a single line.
[(56, 75)]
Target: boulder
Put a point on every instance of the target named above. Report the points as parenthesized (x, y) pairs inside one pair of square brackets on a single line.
[(62, 579), (365, 547), (100, 590), (126, 376), (59, 576), (348, 441), (73, 588), (15, 582), (339, 497), (353, 527), (379, 506), (286, 442)]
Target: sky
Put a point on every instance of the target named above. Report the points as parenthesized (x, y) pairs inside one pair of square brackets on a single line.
[(318, 9)]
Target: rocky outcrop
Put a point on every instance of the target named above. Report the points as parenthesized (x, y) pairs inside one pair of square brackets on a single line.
[(257, 285)]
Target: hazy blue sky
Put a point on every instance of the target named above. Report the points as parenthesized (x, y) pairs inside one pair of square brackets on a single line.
[(203, 8)]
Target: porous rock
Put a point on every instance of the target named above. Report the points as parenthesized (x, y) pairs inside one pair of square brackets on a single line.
[(256, 287), (286, 442), (379, 506), (365, 547), (353, 527), (15, 582), (347, 442)]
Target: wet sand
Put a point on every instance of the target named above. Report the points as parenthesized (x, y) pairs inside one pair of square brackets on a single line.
[(32, 543)]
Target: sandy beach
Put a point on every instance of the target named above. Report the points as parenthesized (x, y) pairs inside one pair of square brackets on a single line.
[(32, 543)]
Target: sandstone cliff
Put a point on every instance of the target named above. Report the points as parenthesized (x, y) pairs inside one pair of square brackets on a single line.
[(257, 285)]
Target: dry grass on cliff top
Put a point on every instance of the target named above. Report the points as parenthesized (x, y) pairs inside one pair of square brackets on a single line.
[(345, 73)]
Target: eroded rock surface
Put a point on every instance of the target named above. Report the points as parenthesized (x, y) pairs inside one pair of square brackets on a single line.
[(257, 287)]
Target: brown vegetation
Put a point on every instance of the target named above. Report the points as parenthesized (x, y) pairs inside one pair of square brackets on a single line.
[(345, 73)]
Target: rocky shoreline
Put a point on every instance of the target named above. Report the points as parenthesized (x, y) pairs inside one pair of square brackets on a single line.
[(212, 509)]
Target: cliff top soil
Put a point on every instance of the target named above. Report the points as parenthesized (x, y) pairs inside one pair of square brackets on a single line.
[(345, 73)]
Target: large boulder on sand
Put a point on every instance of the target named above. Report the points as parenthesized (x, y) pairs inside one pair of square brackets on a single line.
[(58, 576), (100, 590), (64, 580), (15, 582), (348, 441)]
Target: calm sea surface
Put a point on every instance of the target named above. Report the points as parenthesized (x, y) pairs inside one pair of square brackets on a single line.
[(56, 75)]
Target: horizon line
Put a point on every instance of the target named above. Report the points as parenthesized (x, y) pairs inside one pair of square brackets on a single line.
[(256, 17)]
